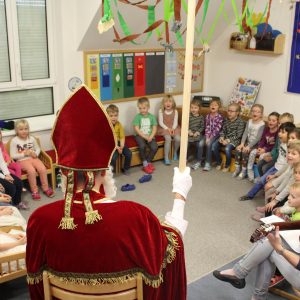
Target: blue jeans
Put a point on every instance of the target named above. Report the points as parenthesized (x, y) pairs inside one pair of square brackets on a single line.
[(127, 156), (209, 151), (199, 150), (261, 183), (264, 257), (264, 166), (216, 150)]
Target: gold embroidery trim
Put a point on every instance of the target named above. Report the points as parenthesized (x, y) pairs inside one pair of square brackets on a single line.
[(118, 277)]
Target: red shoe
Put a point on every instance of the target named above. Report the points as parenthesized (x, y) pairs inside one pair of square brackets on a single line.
[(36, 196), (49, 193), (276, 279), (151, 166), (147, 170)]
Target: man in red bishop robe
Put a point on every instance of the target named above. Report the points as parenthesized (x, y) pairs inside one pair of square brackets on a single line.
[(88, 238)]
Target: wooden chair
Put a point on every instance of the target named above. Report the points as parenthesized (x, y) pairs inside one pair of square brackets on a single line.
[(45, 158), (130, 290), (285, 294), (14, 266)]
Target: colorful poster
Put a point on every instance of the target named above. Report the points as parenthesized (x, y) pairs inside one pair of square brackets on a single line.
[(245, 93), (197, 71), (106, 76), (294, 82), (139, 74), (170, 71), (117, 76), (92, 74), (128, 75), (155, 73)]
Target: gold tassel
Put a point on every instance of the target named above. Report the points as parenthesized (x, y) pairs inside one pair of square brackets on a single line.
[(31, 279), (67, 223), (105, 25), (92, 216)]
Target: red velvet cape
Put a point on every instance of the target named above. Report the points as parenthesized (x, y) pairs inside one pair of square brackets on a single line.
[(127, 240)]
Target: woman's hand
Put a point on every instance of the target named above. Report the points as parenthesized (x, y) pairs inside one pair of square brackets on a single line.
[(6, 211), (5, 198), (2, 189), (9, 178), (275, 240)]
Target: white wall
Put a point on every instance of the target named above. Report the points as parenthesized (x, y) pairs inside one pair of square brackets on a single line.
[(224, 66)]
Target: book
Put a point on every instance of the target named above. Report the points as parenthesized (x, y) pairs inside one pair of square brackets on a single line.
[(245, 93), (290, 236)]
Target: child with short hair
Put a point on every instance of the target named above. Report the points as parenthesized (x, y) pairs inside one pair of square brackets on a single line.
[(145, 127), (281, 162), (265, 144), (286, 209), (277, 188), (168, 126), (13, 167), (252, 135), (270, 158), (230, 136), (195, 133), (295, 134), (25, 149), (113, 113), (213, 126)]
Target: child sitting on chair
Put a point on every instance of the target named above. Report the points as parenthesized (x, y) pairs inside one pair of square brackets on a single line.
[(252, 134), (25, 149), (196, 129), (213, 126), (265, 144), (13, 167), (230, 136), (122, 149), (145, 127), (168, 127)]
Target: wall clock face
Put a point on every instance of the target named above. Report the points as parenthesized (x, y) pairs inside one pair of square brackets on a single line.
[(74, 83)]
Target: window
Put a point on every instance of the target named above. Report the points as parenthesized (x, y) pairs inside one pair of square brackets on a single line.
[(26, 80)]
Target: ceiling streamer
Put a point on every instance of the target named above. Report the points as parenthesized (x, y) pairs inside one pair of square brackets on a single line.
[(172, 13)]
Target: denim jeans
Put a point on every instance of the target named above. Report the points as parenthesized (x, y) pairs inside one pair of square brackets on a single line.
[(266, 259), (216, 150), (142, 143), (264, 166), (209, 151), (127, 158), (261, 183), (199, 150)]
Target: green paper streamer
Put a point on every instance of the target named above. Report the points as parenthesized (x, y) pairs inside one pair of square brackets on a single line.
[(205, 9)]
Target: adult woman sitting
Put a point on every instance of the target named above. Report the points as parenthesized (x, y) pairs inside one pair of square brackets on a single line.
[(266, 255)]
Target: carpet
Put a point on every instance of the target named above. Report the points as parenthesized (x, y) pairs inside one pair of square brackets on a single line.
[(210, 288)]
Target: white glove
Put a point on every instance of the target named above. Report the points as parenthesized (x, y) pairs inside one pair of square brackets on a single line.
[(182, 182)]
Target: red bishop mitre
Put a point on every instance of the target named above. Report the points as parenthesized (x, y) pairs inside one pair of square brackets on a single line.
[(83, 136), (84, 140)]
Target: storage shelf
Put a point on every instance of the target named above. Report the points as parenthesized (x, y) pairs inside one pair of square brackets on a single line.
[(278, 48)]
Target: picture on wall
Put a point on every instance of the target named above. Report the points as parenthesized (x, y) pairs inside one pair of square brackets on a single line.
[(245, 93)]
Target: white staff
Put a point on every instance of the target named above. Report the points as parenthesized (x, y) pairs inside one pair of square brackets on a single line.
[(187, 84)]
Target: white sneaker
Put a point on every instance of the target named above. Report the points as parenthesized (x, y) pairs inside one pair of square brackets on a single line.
[(218, 167), (196, 165), (242, 175), (225, 170), (236, 171)]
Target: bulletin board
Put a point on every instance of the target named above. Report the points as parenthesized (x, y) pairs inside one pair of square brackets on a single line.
[(125, 75)]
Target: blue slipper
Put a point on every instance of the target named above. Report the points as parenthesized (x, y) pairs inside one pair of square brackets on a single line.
[(127, 187), (145, 178)]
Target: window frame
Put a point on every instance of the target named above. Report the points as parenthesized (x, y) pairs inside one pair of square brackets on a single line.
[(16, 82)]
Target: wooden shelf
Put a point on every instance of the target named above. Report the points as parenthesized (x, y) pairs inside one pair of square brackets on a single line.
[(278, 48)]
